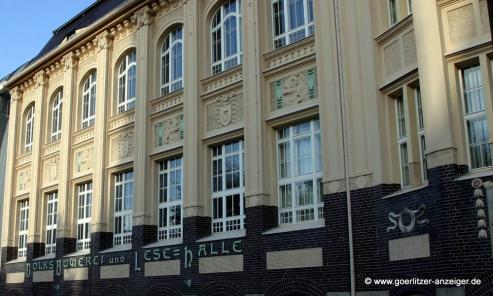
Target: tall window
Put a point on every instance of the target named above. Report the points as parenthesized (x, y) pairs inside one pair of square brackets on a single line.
[(51, 220), (392, 12), (475, 118), (28, 144), (292, 21), (84, 216), (402, 140), (227, 187), (56, 125), (127, 76), (124, 194), (23, 223), (89, 101), (170, 199), (226, 37), (421, 134), (172, 62), (409, 6), (299, 172)]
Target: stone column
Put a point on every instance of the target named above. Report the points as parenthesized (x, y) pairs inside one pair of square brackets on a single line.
[(194, 199), (9, 207), (65, 237), (101, 236), (143, 232), (34, 247), (440, 148)]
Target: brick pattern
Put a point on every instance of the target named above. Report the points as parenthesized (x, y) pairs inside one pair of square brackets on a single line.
[(455, 249)]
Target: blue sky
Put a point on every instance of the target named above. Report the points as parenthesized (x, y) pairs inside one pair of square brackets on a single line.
[(28, 25)]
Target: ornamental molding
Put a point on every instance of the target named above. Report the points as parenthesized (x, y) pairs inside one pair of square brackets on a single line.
[(103, 41), (143, 18), (290, 54), (218, 82), (69, 61), (40, 78), (16, 94), (83, 136), (407, 219), (478, 186), (225, 110), (167, 102), (122, 29)]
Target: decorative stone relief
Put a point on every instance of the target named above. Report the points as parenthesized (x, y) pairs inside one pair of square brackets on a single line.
[(296, 54), (24, 179), (407, 219), (478, 185), (409, 48), (461, 23), (83, 160), (294, 89), (392, 58), (169, 130), (225, 111), (122, 145), (234, 77), (52, 169)]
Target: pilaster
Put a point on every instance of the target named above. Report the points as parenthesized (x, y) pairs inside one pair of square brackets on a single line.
[(13, 139), (104, 43), (433, 83), (35, 200), (64, 227)]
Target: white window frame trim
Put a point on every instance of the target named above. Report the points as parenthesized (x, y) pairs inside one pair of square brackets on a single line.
[(228, 192), (56, 127), (86, 96), (125, 237), (239, 54), (391, 24), (401, 140), (52, 198), (167, 205), (29, 129), (23, 207), (84, 190), (170, 83), (292, 180), (288, 31), (418, 99), (126, 104)]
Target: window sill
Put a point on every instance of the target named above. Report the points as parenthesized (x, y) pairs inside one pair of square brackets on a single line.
[(165, 243), (296, 227), (79, 253), (223, 236), (407, 190), (18, 260), (478, 173), (45, 257), (119, 248)]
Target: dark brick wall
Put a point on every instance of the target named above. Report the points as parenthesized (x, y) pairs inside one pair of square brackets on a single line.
[(456, 251)]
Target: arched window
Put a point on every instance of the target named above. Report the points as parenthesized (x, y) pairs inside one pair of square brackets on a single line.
[(28, 144), (89, 101), (56, 118), (172, 62), (127, 75), (292, 21), (226, 37)]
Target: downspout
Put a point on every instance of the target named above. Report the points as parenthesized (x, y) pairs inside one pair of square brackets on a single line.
[(342, 99)]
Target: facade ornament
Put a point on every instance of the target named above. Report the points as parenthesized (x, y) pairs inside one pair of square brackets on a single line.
[(478, 186), (123, 146), (53, 168), (15, 94), (144, 17), (225, 111), (103, 41), (83, 160), (24, 180), (40, 78), (69, 61), (407, 219)]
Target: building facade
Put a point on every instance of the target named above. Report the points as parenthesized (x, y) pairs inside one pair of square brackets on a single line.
[(243, 147)]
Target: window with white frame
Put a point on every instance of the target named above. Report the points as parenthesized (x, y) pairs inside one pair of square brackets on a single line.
[(299, 171), (56, 116), (421, 133), (228, 184), (476, 123), (172, 61), (29, 129), (127, 82), (51, 220), (402, 139), (89, 101), (226, 36), (170, 199), (409, 6), (292, 21), (124, 193), (23, 225), (392, 12), (84, 207)]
